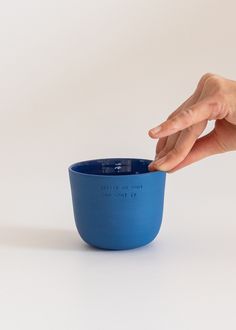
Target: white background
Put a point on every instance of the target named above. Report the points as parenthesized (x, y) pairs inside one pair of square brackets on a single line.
[(87, 79)]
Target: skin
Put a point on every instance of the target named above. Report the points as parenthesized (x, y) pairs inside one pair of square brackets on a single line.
[(179, 141)]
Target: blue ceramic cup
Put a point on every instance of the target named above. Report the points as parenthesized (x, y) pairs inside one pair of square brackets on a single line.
[(117, 202)]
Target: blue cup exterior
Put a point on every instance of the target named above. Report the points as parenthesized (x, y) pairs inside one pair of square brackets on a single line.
[(117, 210)]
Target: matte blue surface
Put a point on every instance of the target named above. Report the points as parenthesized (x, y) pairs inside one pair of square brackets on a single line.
[(117, 202)]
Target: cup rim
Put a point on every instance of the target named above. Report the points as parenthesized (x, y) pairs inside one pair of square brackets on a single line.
[(158, 172)]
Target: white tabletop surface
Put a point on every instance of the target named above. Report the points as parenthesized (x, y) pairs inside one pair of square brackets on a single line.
[(87, 79)]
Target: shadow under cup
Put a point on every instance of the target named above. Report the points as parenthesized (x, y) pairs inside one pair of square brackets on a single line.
[(117, 202)]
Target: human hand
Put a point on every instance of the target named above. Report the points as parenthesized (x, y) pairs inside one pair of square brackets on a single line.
[(179, 143)]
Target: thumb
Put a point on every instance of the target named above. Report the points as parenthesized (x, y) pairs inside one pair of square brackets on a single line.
[(205, 146)]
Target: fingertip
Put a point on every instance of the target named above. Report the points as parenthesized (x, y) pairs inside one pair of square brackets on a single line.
[(151, 167), (155, 166), (151, 134)]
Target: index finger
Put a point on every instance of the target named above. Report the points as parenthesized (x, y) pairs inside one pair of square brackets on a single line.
[(207, 109)]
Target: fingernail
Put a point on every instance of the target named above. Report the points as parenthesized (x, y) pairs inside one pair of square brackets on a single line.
[(155, 130)]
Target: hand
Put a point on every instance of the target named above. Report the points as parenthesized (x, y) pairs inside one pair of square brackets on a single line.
[(179, 143)]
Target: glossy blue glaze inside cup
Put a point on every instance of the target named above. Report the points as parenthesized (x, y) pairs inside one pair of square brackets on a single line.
[(117, 202)]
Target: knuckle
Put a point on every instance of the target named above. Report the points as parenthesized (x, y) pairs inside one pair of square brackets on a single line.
[(203, 79), (206, 76), (219, 97), (216, 83), (193, 131), (187, 116), (172, 115), (188, 112), (189, 129), (174, 122), (218, 109)]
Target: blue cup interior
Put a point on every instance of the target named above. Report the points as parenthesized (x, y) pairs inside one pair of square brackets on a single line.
[(112, 166)]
